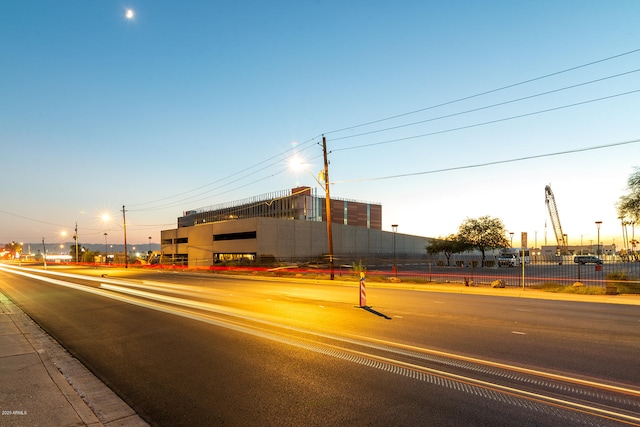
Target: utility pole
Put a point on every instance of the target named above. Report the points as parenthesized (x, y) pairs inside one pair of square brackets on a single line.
[(328, 205), (124, 226), (44, 254), (76, 238), (598, 223), (394, 227)]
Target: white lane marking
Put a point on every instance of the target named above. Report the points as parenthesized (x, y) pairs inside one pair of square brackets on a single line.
[(354, 339), (518, 333), (349, 353)]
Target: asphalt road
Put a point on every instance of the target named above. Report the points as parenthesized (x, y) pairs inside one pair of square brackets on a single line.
[(197, 349)]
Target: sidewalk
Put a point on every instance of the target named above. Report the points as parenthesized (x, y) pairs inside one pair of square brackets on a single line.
[(43, 385)]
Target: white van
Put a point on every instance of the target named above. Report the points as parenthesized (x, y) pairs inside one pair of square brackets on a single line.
[(507, 260), (587, 259), (512, 257)]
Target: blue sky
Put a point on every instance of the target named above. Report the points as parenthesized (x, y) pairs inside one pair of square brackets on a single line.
[(192, 104)]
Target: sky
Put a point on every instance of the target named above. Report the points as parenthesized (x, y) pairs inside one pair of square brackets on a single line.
[(438, 110)]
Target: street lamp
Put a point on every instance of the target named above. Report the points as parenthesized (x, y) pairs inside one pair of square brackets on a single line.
[(394, 227), (107, 217), (328, 205), (325, 177), (598, 243), (106, 249), (44, 254), (124, 227), (76, 239), (511, 234)]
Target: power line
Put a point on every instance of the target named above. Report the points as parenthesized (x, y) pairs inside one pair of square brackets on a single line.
[(298, 148), (519, 116), (208, 197), (35, 220), (301, 147), (277, 156), (497, 162), (192, 200), (488, 106), (484, 93)]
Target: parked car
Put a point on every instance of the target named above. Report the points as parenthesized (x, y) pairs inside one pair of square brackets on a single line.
[(587, 259)]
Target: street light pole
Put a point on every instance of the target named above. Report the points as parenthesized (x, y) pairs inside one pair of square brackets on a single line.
[(106, 250), (328, 206), (124, 226), (598, 243), (511, 233), (394, 227), (76, 237), (44, 254)]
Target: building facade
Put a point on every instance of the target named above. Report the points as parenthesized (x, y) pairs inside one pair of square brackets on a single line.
[(286, 226), (300, 203)]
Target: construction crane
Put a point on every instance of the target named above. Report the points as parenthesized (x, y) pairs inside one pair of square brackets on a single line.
[(561, 239)]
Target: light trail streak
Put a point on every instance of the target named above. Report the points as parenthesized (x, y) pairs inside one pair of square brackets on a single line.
[(561, 403), (121, 290)]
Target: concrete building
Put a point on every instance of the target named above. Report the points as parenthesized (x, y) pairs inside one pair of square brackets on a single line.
[(288, 226)]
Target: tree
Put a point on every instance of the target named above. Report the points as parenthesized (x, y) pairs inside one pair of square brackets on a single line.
[(483, 233), (13, 249), (84, 254), (629, 205), (449, 245)]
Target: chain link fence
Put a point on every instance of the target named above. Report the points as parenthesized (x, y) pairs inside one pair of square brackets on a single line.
[(615, 274)]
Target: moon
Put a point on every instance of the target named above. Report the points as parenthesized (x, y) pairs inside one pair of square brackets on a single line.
[(129, 14)]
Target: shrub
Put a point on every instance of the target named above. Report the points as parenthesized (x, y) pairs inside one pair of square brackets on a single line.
[(570, 289), (358, 268), (623, 282)]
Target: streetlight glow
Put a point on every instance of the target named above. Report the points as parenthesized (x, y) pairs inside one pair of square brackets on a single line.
[(296, 163)]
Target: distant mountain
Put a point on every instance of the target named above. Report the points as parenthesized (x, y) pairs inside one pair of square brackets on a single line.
[(54, 248)]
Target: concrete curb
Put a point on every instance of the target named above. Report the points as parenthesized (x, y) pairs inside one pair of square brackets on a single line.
[(42, 384)]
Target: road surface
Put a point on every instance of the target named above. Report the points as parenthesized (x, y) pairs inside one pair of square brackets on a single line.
[(200, 349)]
